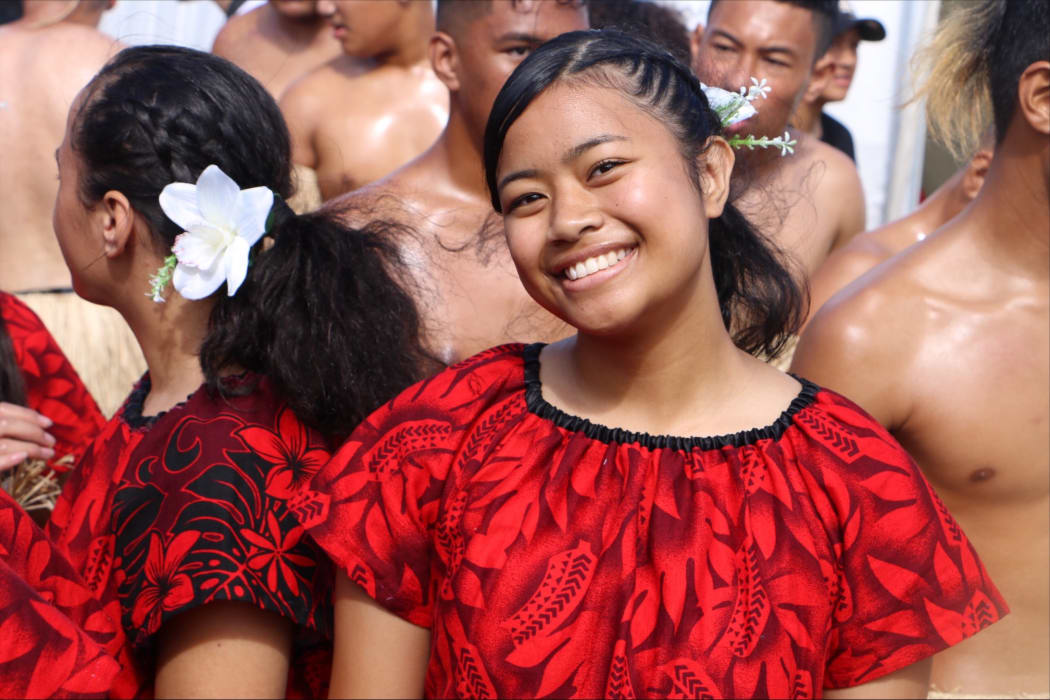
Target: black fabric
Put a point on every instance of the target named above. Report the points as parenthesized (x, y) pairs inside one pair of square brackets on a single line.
[(835, 133), (538, 405)]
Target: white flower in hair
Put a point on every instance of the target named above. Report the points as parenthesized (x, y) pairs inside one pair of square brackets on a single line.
[(220, 223), (731, 107)]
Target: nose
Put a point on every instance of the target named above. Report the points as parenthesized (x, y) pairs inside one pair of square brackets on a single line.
[(574, 212)]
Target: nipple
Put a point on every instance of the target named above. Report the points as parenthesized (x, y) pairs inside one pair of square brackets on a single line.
[(982, 474)]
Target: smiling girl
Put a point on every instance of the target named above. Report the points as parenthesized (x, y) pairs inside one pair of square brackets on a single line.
[(268, 337), (644, 508)]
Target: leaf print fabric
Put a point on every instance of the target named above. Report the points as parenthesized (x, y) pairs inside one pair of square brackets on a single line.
[(56, 640), (170, 513), (554, 557), (53, 387)]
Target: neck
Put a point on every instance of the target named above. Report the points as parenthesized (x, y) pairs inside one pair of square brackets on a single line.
[(945, 203), (807, 118), (460, 156), (170, 336), (41, 14), (409, 46), (1011, 214), (661, 369)]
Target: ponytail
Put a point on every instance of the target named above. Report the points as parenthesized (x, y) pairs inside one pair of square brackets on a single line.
[(321, 317)]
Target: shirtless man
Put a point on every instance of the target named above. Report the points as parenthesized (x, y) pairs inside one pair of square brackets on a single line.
[(871, 248), (811, 202), (946, 345), (467, 287), (278, 42), (370, 111), (46, 57)]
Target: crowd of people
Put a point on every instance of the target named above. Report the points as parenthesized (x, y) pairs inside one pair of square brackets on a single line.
[(519, 348)]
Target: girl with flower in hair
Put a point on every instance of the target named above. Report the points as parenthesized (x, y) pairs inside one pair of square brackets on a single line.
[(645, 508), (268, 337)]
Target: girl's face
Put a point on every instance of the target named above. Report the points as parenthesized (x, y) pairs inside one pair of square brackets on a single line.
[(604, 222)]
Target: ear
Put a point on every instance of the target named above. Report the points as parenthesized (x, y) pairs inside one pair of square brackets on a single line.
[(696, 40), (1033, 96), (444, 59), (819, 78), (715, 165), (117, 221), (976, 170)]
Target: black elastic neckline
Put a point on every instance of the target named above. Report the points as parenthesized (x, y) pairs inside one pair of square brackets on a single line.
[(539, 406), (131, 413)]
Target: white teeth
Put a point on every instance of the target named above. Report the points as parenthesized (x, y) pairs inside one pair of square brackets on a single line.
[(594, 264)]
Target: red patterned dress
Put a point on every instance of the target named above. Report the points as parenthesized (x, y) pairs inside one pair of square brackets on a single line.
[(554, 557), (52, 385), (175, 511), (56, 640)]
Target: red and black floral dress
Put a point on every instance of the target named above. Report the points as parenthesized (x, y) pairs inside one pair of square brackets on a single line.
[(175, 511), (52, 385), (554, 557)]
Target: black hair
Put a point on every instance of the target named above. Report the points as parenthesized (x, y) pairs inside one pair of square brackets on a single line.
[(319, 313), (824, 13), (12, 383), (1019, 38), (659, 24), (760, 301)]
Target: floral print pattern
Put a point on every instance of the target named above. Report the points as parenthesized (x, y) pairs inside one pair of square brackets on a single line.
[(170, 513), (53, 387), (552, 557)]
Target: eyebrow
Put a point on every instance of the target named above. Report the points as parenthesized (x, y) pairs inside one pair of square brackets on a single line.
[(520, 36), (570, 155), (762, 49)]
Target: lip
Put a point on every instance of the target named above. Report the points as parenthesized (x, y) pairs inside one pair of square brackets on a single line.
[(595, 278)]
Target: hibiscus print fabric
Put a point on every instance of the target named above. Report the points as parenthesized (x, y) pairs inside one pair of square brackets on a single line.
[(56, 640), (180, 510), (554, 557), (52, 385)]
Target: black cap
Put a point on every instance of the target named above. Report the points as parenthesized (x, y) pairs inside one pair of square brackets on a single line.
[(868, 28)]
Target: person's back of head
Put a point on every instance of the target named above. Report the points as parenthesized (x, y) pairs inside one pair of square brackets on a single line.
[(975, 61), (657, 23), (317, 312)]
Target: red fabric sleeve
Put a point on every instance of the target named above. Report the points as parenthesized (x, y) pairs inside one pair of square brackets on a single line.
[(909, 582), (53, 387), (374, 507), (55, 638)]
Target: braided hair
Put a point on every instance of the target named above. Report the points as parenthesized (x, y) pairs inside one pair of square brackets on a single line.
[(761, 303), (319, 313)]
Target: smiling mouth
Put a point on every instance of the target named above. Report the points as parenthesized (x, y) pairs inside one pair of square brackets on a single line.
[(596, 263)]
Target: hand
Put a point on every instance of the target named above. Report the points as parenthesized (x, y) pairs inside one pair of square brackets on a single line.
[(23, 435)]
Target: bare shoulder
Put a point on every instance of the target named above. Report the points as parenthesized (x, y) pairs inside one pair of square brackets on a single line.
[(864, 339), (229, 38), (391, 199), (72, 44), (324, 86), (845, 265)]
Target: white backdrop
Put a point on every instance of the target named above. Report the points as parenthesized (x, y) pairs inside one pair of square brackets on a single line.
[(889, 143)]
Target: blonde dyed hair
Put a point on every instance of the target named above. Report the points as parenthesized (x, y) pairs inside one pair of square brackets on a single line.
[(952, 74)]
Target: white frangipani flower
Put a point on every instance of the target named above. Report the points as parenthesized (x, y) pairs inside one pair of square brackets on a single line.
[(729, 106), (220, 223)]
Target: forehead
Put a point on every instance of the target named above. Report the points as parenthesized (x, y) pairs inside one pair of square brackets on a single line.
[(569, 114), (760, 22), (544, 19)]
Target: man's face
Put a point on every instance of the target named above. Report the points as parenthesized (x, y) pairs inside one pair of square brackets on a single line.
[(493, 45), (761, 39), (843, 55), (363, 27)]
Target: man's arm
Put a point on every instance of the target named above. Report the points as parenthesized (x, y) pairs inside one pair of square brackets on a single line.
[(301, 106)]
